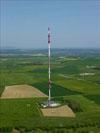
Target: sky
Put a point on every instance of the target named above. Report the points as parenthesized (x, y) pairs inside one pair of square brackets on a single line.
[(73, 23)]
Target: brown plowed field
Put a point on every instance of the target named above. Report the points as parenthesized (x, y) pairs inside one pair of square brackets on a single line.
[(62, 111), (21, 91)]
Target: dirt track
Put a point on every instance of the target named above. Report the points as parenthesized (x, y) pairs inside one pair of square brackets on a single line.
[(21, 91), (62, 111)]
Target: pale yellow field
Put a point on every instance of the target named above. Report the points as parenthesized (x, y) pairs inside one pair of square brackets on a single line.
[(62, 111), (15, 131), (21, 91)]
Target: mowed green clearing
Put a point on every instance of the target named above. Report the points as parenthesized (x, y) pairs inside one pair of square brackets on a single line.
[(85, 104), (13, 111)]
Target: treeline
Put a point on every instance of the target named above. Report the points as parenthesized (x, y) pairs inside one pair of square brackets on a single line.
[(79, 128), (2, 86), (82, 124)]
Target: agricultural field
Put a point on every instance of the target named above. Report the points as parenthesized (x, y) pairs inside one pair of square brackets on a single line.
[(75, 83), (21, 91)]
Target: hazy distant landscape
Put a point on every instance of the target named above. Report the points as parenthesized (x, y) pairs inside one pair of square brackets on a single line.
[(55, 51)]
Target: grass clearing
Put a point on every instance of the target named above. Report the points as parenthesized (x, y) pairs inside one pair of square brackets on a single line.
[(14, 110), (86, 104)]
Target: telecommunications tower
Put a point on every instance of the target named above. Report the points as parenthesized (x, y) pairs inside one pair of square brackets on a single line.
[(49, 69), (49, 103)]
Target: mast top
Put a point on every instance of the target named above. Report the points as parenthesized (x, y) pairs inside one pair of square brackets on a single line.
[(48, 29)]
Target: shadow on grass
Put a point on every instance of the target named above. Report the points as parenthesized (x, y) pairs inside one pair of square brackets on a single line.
[(56, 90), (95, 98)]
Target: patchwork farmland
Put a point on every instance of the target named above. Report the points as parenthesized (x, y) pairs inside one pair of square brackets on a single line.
[(80, 93)]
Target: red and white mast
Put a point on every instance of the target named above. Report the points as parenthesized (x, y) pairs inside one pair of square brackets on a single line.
[(49, 70)]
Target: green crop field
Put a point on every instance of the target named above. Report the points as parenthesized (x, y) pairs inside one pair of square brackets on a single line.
[(69, 86)]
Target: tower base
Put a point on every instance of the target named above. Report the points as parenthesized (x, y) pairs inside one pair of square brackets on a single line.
[(50, 104)]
